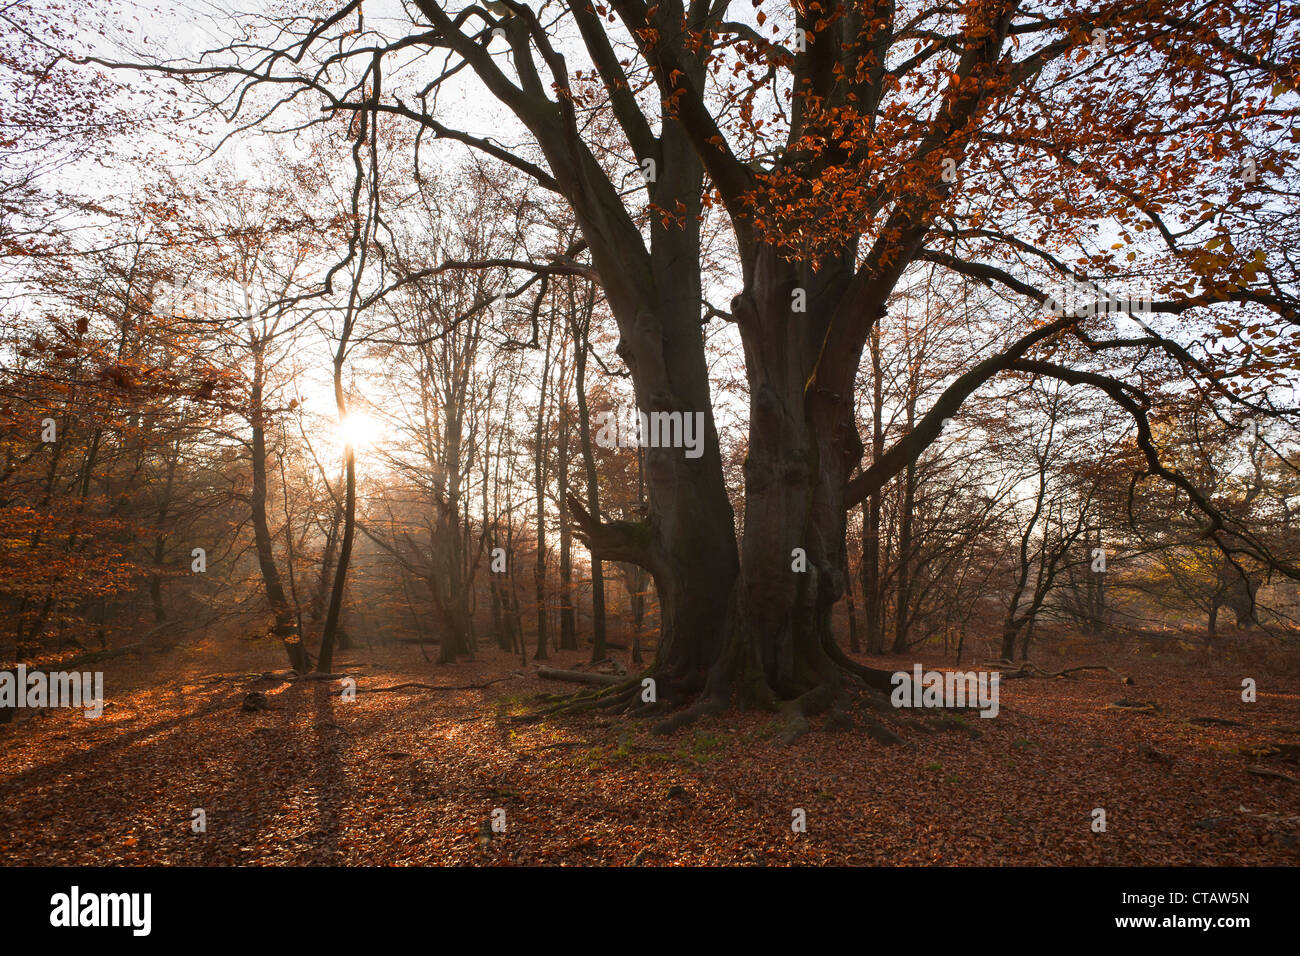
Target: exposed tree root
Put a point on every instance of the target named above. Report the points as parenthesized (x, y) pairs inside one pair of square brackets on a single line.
[(704, 707), (652, 709), (819, 690), (797, 711), (882, 734), (620, 695), (873, 677)]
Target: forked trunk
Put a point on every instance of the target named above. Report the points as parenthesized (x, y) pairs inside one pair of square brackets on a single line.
[(802, 446)]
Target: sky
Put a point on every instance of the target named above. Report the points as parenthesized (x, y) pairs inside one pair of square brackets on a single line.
[(181, 30)]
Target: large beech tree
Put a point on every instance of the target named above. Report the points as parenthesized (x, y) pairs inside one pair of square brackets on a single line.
[(1029, 147)]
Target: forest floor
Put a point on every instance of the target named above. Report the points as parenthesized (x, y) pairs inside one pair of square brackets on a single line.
[(413, 776)]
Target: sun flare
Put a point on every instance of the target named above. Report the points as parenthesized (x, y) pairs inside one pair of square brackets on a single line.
[(360, 430)]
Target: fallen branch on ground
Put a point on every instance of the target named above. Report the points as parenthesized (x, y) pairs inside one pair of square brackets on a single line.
[(1029, 669), (1275, 774), (1214, 722), (423, 686), (1289, 752), (299, 678), (103, 655), (581, 677), (1135, 706)]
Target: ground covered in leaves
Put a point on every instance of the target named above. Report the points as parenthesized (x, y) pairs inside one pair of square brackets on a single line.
[(413, 776)]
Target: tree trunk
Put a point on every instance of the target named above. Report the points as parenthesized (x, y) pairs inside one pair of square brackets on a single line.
[(593, 487), (687, 539), (447, 582), (903, 606), (854, 647), (539, 491), (1241, 599), (284, 625), (325, 662), (321, 594), (160, 539), (568, 618), (803, 443), (1024, 642), (1009, 632), (871, 590)]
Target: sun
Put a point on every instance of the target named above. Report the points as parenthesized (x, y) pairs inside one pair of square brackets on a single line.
[(360, 430)]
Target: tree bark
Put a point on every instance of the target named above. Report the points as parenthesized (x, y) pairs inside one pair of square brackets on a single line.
[(687, 542), (568, 617), (803, 445), (539, 491), (583, 345), (160, 539), (872, 594), (284, 626), (903, 605)]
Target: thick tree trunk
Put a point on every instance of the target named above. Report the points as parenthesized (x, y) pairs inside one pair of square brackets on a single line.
[(447, 555), (447, 582), (688, 540), (155, 580), (1011, 624), (803, 443)]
